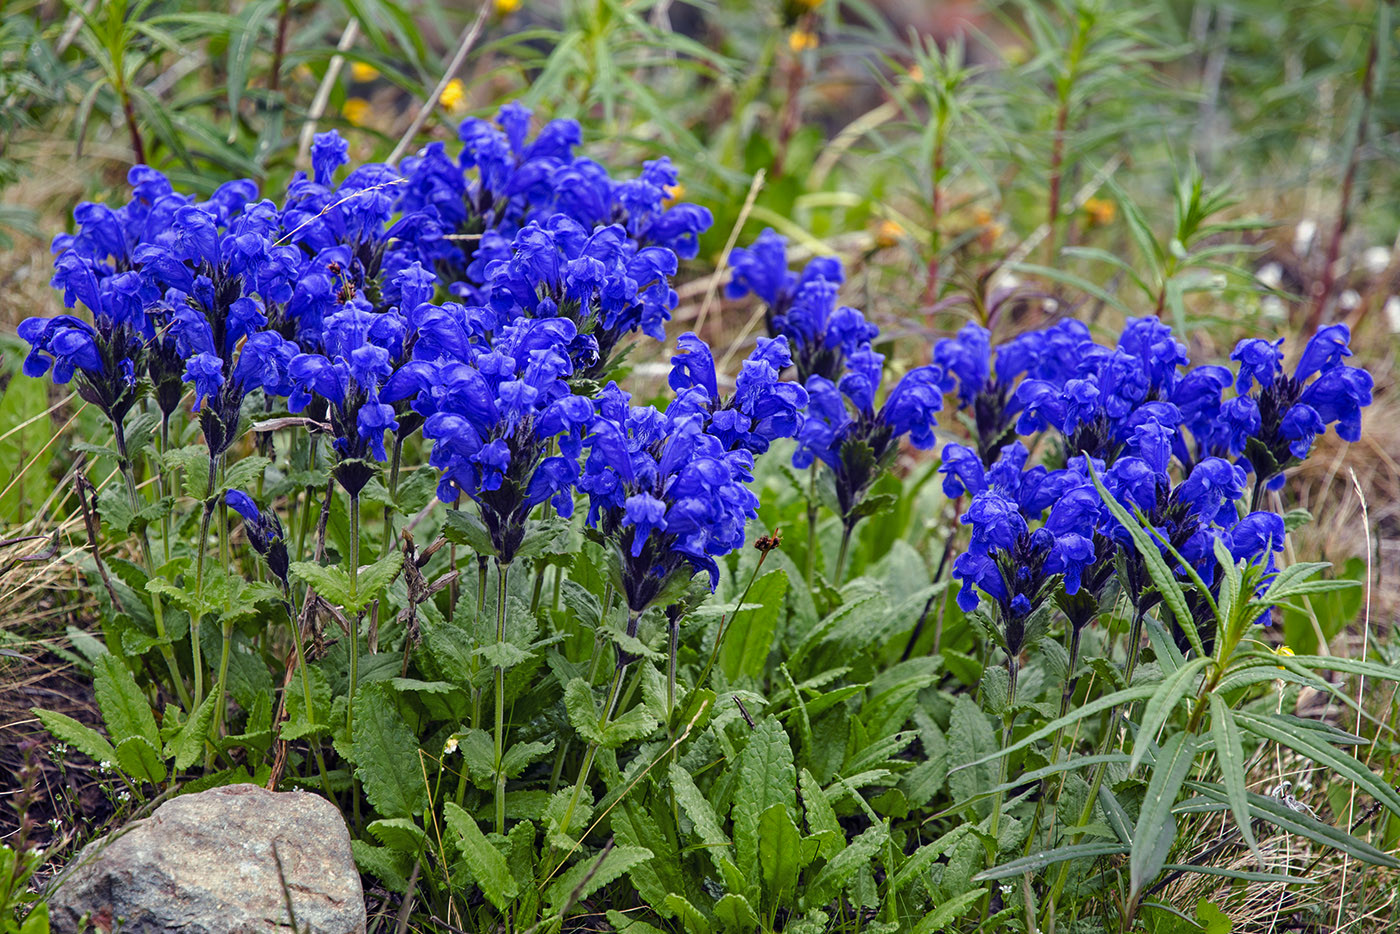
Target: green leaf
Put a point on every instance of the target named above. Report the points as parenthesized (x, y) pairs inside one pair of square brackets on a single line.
[(504, 655), (1038, 861), (1281, 815), (766, 776), (589, 875), (1125, 696), (703, 818), (735, 913), (485, 862), (1161, 704), (1229, 752), (544, 537), (583, 712), (517, 757), (971, 741), (1156, 826), (750, 633), (832, 877), (82, 738), (690, 917), (385, 753), (331, 584), (821, 817), (124, 708), (245, 474), (188, 744), (372, 581), (942, 917), (632, 725), (780, 852), (1304, 742), (466, 528), (381, 863), (399, 833), (140, 758)]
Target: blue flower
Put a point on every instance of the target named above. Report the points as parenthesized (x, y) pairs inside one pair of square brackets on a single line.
[(671, 495), (968, 358), (1257, 536), (264, 531), (1260, 362)]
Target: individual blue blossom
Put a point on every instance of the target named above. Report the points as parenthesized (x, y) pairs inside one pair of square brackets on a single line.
[(264, 531)]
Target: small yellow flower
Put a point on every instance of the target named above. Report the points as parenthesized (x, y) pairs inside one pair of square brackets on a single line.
[(363, 72), (674, 193), (303, 73), (989, 231), (807, 5), (1015, 54), (506, 7), (916, 74), (888, 233), (454, 96), (800, 40), (1100, 211), (357, 111)]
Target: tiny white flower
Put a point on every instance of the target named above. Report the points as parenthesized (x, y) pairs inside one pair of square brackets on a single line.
[(1270, 275), (449, 747), (1348, 300), (1272, 307), (1376, 259), (1392, 313), (1303, 236)]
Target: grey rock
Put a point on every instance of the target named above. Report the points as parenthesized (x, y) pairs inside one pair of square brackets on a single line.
[(203, 864)]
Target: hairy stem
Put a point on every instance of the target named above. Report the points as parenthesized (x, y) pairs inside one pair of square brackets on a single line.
[(502, 569)]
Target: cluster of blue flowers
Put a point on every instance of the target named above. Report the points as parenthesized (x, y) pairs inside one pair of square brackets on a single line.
[(481, 299), (1165, 440), (484, 299), (835, 361)]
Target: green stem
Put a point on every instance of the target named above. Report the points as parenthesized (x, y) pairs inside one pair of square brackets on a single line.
[(295, 619), (594, 659), (592, 751), (812, 527), (846, 531), (480, 609), (197, 617), (1065, 697), (1134, 638), (1008, 719), (157, 605), (355, 622), (502, 570), (719, 636)]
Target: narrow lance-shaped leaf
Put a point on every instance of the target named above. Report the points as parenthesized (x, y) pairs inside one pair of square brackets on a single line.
[(1229, 753), (1156, 827), (1161, 704)]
